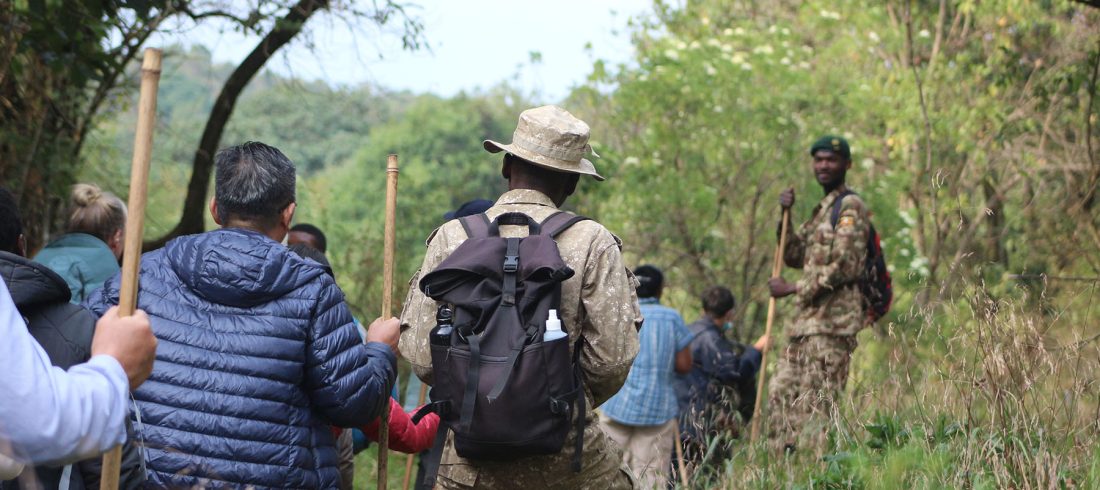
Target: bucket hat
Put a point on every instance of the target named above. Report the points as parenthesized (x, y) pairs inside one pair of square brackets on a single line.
[(550, 137)]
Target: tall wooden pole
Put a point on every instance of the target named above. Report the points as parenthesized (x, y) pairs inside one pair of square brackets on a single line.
[(135, 221), (777, 264), (680, 457), (409, 460), (387, 305)]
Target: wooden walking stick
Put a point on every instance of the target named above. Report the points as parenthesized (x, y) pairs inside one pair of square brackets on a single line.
[(680, 457), (776, 265), (387, 305), (135, 221), (409, 460)]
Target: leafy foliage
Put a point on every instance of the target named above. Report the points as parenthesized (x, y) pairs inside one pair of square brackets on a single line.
[(972, 126), (950, 112)]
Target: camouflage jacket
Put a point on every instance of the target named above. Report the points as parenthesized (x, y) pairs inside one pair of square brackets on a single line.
[(828, 298), (600, 299)]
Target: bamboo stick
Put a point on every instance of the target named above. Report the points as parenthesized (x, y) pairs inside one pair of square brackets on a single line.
[(777, 264), (135, 221), (387, 305)]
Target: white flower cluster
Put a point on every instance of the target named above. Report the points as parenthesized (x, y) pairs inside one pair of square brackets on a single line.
[(763, 49)]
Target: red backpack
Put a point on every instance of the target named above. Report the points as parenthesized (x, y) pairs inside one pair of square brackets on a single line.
[(876, 285)]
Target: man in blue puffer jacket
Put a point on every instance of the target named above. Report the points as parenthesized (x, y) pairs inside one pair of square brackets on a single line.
[(257, 353)]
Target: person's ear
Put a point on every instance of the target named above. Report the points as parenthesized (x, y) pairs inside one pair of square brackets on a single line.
[(288, 215), (21, 245), (115, 242), (506, 169), (214, 211)]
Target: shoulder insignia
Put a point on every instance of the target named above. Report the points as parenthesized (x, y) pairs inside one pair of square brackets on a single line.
[(846, 221)]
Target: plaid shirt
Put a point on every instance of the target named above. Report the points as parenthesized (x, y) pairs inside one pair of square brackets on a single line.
[(648, 397)]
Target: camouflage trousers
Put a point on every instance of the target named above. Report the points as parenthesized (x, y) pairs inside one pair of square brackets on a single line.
[(802, 396), (602, 468)]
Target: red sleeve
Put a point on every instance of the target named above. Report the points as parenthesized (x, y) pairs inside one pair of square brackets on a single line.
[(405, 436)]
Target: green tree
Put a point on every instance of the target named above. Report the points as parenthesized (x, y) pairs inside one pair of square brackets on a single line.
[(958, 115), (442, 165), (64, 63)]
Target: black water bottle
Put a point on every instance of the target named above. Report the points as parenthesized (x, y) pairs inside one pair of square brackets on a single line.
[(444, 318)]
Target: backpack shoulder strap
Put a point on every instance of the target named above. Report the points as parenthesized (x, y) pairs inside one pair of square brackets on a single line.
[(560, 221), (836, 207), (475, 225)]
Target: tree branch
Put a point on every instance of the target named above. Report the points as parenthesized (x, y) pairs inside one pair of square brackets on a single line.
[(191, 221)]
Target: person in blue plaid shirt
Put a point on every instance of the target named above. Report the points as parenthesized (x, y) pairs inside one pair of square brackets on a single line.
[(642, 416)]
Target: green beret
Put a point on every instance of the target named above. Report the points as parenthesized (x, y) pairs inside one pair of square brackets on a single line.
[(835, 144)]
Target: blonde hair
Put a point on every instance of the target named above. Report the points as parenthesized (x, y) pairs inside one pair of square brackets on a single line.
[(95, 212)]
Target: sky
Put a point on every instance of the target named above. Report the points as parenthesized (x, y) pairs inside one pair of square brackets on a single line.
[(472, 44)]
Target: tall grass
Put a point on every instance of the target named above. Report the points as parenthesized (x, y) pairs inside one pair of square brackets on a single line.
[(992, 390)]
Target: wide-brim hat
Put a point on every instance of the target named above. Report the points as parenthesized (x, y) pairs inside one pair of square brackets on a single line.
[(552, 138)]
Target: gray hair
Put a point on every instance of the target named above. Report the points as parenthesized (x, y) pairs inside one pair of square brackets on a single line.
[(253, 181)]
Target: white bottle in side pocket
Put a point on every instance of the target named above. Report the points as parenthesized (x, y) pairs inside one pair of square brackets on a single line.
[(553, 328)]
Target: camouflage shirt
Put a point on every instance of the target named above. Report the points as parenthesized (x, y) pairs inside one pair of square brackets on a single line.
[(832, 261), (600, 299)]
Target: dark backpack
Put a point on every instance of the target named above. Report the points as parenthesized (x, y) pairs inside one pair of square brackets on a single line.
[(876, 285), (502, 390)]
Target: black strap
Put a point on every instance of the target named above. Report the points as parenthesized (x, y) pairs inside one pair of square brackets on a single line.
[(442, 408), (472, 371), (578, 445), (511, 364), (511, 268), (475, 225), (560, 221), (515, 219), (836, 207), (431, 463)]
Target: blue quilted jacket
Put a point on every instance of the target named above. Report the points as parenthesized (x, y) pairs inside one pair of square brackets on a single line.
[(257, 357)]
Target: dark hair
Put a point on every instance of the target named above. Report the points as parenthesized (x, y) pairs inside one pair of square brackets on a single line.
[(311, 253), (11, 223), (469, 208), (253, 182), (718, 301), (322, 242), (651, 281)]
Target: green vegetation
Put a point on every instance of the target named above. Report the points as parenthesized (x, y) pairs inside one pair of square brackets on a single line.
[(972, 128), (64, 64), (974, 138)]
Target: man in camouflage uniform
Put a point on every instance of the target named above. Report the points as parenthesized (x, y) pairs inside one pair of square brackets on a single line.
[(830, 311), (543, 165)]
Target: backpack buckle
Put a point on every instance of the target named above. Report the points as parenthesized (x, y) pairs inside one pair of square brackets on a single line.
[(558, 407), (511, 263)]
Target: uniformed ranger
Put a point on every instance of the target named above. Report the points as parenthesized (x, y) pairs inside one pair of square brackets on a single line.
[(829, 309), (543, 165)]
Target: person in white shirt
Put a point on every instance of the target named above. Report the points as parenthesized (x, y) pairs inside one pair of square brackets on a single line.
[(48, 415)]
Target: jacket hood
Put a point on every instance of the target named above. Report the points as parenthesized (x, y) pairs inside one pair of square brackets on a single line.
[(237, 267), (31, 283)]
